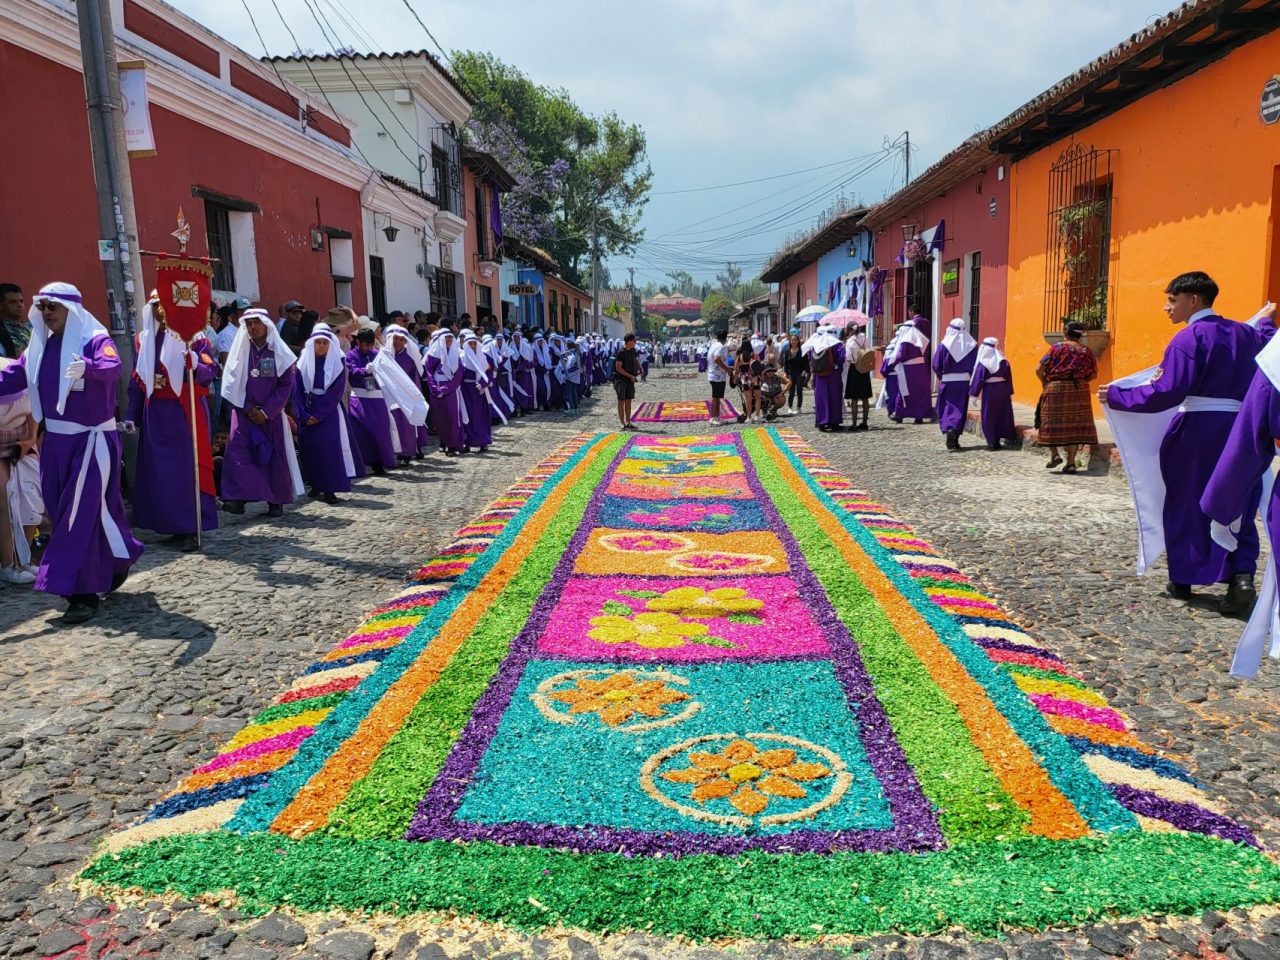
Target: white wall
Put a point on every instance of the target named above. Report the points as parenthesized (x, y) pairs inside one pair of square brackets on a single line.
[(406, 289)]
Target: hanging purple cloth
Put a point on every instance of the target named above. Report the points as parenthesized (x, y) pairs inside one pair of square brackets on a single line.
[(495, 217)]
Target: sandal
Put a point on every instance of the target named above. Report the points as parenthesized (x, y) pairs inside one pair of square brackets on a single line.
[(1053, 463)]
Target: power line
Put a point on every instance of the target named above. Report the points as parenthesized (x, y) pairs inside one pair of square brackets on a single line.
[(742, 183)]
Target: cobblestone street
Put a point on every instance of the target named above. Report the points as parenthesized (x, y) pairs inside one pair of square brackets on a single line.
[(98, 721)]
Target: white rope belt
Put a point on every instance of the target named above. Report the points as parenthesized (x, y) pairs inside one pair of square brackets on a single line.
[(912, 362), (97, 450), (1209, 405), (364, 394), (996, 379), (955, 378)]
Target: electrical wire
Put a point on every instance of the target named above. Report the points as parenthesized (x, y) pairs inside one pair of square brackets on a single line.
[(776, 176)]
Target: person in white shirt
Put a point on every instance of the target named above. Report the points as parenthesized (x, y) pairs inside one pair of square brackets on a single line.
[(718, 373)]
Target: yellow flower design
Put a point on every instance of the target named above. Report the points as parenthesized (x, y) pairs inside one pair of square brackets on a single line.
[(619, 697), (747, 776), (705, 604), (652, 630)]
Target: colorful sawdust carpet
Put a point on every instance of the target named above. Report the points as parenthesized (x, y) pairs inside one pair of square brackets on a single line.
[(681, 411), (700, 686)]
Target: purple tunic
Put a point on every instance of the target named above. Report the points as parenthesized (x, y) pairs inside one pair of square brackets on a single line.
[(479, 425), (542, 380), (953, 387), (556, 399), (79, 557), (421, 439), (164, 481), (890, 385), (320, 443), (446, 409), (1212, 358), (370, 418), (256, 465), (916, 404), (828, 392), (528, 401), (996, 390)]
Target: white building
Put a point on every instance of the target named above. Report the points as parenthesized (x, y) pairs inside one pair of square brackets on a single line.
[(408, 111)]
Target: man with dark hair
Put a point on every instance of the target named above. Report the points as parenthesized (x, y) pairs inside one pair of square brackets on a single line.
[(626, 370), (464, 322), (290, 326), (1204, 374), (15, 331)]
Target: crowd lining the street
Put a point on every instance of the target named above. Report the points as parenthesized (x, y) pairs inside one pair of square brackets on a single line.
[(310, 405)]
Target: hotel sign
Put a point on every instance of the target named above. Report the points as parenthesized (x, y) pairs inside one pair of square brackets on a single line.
[(523, 289), (1270, 108)]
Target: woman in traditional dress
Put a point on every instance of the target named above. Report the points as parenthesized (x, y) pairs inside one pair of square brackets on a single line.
[(1066, 408)]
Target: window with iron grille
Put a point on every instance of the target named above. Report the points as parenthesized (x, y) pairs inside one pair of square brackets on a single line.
[(975, 290), (484, 300), (921, 286), (901, 293), (378, 281), (217, 219), (446, 169), (482, 231), (1078, 265)]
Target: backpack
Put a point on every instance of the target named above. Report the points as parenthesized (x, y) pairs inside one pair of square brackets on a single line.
[(824, 363), (866, 361)]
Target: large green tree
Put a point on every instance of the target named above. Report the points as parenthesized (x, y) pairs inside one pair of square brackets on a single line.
[(717, 309), (607, 180)]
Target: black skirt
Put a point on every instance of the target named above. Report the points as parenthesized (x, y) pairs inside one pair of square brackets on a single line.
[(857, 386)]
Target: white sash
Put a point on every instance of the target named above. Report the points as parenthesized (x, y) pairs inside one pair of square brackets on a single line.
[(1264, 623), (955, 378), (364, 394), (1209, 405), (98, 450)]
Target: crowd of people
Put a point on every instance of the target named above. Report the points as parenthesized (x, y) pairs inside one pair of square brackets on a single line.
[(255, 409)]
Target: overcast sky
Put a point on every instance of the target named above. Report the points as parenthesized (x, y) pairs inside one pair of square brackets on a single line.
[(734, 90)]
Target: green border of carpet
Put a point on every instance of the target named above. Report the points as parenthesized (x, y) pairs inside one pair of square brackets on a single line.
[(981, 887)]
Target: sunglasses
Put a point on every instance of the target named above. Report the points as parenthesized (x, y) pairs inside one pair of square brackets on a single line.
[(47, 305)]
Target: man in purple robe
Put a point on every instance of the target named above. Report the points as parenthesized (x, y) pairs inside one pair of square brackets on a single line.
[(324, 439), (370, 418), (499, 354), (993, 382), (1230, 498), (889, 392), (555, 353), (826, 360), (164, 485), (953, 363), (526, 391), (70, 371), (910, 365), (542, 370), (260, 462), (476, 379), (1205, 373), (413, 440), (444, 379)]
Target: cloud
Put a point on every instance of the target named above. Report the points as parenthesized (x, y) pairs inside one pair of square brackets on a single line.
[(731, 90)]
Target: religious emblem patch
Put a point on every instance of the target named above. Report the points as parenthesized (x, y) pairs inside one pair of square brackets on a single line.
[(1159, 372)]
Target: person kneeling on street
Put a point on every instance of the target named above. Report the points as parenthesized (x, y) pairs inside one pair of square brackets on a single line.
[(773, 391)]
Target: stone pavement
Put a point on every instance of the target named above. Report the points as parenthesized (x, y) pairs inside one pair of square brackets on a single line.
[(98, 721)]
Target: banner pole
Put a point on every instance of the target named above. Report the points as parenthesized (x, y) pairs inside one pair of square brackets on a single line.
[(195, 443)]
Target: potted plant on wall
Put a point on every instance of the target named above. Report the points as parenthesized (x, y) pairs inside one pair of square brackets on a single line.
[(1092, 316)]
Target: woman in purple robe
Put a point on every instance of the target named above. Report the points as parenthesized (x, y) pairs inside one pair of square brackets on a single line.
[(911, 366), (413, 440), (555, 352), (542, 370), (370, 417), (475, 393), (993, 382), (499, 354), (164, 484), (70, 371), (1205, 372), (826, 360), (953, 363), (260, 462), (526, 391), (444, 380), (324, 440)]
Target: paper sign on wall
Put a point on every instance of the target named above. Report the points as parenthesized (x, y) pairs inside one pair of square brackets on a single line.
[(137, 111)]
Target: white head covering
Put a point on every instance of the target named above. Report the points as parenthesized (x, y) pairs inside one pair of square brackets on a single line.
[(540, 350), (235, 375), (81, 327), (757, 344), (411, 344), (307, 362), (173, 351), (473, 358), (447, 354), (822, 340), (958, 342), (989, 355), (912, 334), (400, 391), (522, 346)]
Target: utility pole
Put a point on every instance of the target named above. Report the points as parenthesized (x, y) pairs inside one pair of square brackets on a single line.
[(116, 219), (906, 158), (595, 266)]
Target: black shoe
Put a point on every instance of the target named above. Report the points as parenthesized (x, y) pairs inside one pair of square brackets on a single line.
[(742, 418), (953, 441), (918, 421), (79, 610), (896, 419), (862, 426), (314, 494), (187, 543), (993, 446), (1178, 591), (233, 506), (1240, 596), (378, 471), (331, 498), (275, 510), (118, 578)]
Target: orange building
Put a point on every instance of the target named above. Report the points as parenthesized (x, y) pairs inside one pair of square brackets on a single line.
[(1160, 157)]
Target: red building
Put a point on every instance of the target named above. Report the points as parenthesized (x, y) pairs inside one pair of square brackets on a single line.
[(263, 171), (945, 240), (483, 182)]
